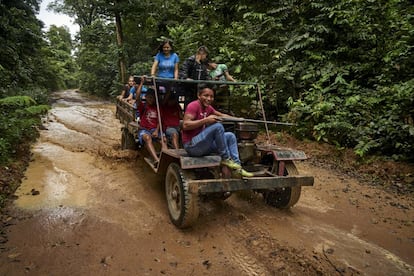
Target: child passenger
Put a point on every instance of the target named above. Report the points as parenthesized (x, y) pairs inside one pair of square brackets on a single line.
[(129, 90), (149, 127), (171, 113), (220, 72)]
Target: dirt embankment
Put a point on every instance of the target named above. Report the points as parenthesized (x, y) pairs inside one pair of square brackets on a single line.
[(85, 207)]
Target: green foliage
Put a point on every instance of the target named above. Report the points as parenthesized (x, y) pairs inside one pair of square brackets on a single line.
[(60, 59), (97, 59), (17, 102), (21, 115), (21, 59), (30, 66), (359, 96), (342, 70)]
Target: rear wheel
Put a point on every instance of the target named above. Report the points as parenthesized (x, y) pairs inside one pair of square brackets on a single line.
[(283, 197), (128, 140), (183, 206)]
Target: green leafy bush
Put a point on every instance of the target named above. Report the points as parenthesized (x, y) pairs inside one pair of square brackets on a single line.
[(20, 117)]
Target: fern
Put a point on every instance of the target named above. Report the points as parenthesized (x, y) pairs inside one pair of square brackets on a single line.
[(37, 110), (17, 101)]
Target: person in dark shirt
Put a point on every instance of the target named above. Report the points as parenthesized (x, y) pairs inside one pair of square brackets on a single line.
[(195, 67)]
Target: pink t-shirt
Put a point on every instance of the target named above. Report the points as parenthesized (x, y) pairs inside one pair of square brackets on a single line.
[(198, 112), (149, 117)]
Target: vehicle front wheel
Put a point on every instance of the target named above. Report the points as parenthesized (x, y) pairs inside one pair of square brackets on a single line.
[(283, 198), (183, 206)]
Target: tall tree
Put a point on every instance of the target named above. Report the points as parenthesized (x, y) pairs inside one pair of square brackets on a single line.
[(328, 63), (120, 41), (60, 57), (21, 39), (84, 12)]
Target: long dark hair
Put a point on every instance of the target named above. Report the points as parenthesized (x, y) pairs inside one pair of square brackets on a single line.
[(166, 41)]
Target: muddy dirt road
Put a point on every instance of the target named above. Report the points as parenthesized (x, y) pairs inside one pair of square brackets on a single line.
[(86, 207)]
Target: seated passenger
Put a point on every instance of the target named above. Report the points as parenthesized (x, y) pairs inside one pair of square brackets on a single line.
[(142, 90), (132, 94), (149, 127), (171, 114), (220, 72), (128, 89), (203, 134)]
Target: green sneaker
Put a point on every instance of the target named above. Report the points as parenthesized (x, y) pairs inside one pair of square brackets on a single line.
[(244, 173), (231, 164)]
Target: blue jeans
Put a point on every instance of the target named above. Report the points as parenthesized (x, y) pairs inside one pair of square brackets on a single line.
[(214, 139)]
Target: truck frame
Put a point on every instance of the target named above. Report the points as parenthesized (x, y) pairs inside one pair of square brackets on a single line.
[(190, 180)]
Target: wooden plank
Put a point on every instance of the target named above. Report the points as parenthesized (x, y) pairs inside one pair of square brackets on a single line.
[(151, 164), (283, 154), (188, 162), (253, 183)]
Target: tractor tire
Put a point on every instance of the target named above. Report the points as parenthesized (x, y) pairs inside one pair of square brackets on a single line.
[(283, 198), (183, 206)]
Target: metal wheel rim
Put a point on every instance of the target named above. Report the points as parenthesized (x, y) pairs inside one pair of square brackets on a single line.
[(174, 196)]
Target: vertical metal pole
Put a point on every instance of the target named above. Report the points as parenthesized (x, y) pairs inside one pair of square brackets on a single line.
[(264, 114), (158, 111)]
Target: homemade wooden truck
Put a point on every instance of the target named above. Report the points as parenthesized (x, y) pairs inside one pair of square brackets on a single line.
[(191, 180)]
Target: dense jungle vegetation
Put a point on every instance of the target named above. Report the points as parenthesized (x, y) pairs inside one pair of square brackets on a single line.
[(342, 70)]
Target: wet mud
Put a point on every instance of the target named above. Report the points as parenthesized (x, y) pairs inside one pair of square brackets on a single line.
[(86, 207)]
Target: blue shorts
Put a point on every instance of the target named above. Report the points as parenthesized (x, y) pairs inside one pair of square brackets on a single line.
[(143, 131), (170, 131)]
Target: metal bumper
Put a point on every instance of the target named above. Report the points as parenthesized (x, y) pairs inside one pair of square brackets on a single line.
[(205, 186)]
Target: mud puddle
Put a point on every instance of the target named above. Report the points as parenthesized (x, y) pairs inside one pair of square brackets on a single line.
[(86, 207)]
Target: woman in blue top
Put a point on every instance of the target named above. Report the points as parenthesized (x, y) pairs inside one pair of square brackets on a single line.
[(166, 61)]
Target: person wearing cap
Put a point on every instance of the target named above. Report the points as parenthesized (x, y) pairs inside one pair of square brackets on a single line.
[(148, 128)]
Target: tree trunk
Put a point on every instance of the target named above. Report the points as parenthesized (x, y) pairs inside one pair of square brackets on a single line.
[(120, 42)]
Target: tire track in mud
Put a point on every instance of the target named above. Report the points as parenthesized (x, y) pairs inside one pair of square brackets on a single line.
[(80, 126), (240, 236), (92, 134), (257, 252), (250, 243), (301, 243), (83, 166)]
